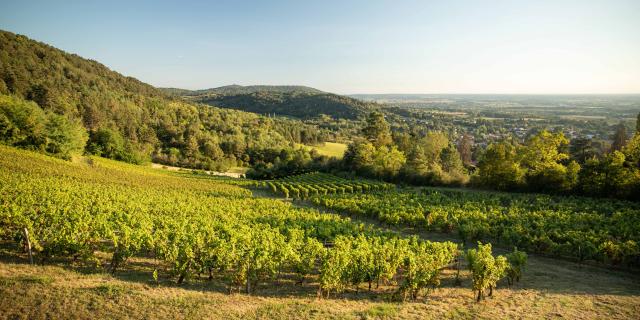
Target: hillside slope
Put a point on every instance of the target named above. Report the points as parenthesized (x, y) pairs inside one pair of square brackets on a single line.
[(129, 120), (64, 287)]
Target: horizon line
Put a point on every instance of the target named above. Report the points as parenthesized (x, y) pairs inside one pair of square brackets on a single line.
[(500, 93), (409, 93)]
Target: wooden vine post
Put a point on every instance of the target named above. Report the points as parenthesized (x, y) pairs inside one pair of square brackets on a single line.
[(26, 237)]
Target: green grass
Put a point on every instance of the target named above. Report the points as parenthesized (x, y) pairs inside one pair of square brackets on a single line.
[(330, 149), (381, 311), (112, 291), (241, 170)]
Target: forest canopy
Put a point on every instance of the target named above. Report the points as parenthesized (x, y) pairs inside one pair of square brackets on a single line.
[(126, 119)]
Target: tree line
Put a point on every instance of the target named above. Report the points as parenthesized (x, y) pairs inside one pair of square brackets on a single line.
[(545, 162)]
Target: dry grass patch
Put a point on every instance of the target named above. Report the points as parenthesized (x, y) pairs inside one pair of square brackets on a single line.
[(549, 289)]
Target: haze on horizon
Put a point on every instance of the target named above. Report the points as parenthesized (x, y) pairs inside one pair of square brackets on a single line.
[(551, 47)]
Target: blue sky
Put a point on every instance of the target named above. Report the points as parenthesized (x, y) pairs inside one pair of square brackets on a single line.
[(351, 46)]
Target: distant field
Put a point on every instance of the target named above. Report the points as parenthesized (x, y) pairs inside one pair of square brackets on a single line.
[(331, 149), (234, 172), (490, 118), (450, 113), (240, 170), (582, 117)]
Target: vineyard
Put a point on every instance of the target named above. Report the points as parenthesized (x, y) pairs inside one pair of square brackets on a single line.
[(307, 185), (195, 224), (137, 232), (581, 228)]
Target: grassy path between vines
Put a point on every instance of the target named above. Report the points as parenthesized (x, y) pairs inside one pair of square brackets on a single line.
[(574, 285), (550, 288)]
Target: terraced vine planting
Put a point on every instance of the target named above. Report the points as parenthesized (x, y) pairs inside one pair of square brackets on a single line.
[(307, 185), (135, 232), (582, 228)]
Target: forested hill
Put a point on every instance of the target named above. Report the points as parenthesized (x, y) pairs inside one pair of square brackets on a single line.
[(295, 101), (236, 89), (56, 79), (61, 103)]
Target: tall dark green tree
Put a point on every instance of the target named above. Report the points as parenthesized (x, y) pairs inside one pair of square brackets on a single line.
[(417, 162), (610, 177), (464, 148), (582, 149), (451, 161), (619, 138), (377, 130)]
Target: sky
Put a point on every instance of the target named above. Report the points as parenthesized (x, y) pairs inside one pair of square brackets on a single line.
[(348, 47)]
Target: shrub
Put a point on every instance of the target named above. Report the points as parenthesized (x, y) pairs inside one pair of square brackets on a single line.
[(485, 268)]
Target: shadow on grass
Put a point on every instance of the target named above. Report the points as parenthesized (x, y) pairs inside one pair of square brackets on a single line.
[(140, 270), (542, 274)]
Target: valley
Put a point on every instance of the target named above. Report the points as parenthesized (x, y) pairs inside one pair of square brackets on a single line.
[(319, 160)]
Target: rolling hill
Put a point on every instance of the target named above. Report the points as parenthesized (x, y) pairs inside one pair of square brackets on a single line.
[(294, 101), (236, 89)]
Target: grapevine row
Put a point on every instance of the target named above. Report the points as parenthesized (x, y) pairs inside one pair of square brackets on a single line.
[(580, 228), (308, 185)]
